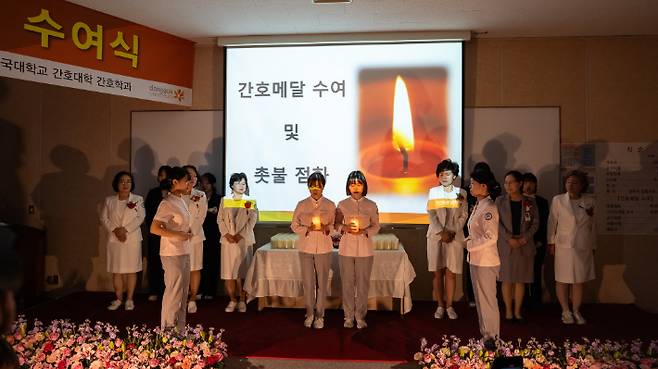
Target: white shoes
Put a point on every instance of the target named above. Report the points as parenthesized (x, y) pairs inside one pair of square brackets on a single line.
[(191, 307), (130, 305), (579, 318), (242, 307), (318, 323), (452, 314), (308, 322), (153, 297), (567, 317), (438, 314), (360, 324), (231, 307), (114, 305), (349, 323)]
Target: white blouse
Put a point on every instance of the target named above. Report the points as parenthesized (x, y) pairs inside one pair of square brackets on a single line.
[(197, 203), (173, 212), (128, 214), (482, 239)]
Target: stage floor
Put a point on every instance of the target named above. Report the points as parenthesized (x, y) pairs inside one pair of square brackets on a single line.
[(280, 332)]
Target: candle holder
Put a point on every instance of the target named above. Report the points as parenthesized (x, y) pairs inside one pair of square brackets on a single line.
[(381, 166)]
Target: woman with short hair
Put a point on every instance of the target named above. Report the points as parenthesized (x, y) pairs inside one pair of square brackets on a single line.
[(357, 218), (572, 239), (122, 216), (237, 218)]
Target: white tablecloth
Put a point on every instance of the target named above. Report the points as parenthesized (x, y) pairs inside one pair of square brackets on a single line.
[(277, 272)]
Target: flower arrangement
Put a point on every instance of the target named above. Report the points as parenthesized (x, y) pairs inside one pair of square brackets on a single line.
[(452, 353), (63, 344), (132, 205)]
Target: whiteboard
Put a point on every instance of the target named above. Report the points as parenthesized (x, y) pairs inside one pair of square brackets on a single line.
[(175, 138), (526, 139)]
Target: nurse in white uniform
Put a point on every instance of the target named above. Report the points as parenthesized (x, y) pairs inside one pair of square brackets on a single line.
[(122, 216), (483, 258), (197, 203), (572, 239), (448, 210)]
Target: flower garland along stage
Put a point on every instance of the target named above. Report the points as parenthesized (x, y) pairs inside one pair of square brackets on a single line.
[(586, 354), (64, 344)]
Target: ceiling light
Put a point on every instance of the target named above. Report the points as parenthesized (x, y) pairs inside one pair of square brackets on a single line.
[(332, 1)]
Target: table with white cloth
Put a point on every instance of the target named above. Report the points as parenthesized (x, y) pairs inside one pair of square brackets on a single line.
[(277, 272)]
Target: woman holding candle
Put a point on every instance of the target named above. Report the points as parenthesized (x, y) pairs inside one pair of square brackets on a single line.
[(172, 224), (572, 239), (483, 254), (313, 220), (197, 203), (237, 217), (122, 216), (448, 211), (357, 218), (519, 220)]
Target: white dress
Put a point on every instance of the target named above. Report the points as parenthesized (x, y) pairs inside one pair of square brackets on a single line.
[(572, 231), (197, 203), (446, 255), (236, 257), (124, 257)]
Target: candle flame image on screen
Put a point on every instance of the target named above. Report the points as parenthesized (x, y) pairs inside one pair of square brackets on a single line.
[(403, 129)]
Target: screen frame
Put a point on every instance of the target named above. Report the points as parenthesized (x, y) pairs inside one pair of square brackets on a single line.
[(224, 110)]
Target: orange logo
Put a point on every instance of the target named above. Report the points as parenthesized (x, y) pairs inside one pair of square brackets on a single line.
[(179, 94)]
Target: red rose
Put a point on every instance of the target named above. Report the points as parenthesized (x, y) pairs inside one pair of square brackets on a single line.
[(48, 347), (172, 360), (61, 364), (247, 204), (196, 198), (212, 360), (131, 205)]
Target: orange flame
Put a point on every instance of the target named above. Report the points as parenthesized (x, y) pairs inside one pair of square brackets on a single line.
[(403, 129)]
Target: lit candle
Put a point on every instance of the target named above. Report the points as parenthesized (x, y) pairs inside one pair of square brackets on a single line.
[(316, 222), (380, 161), (403, 129), (354, 223)]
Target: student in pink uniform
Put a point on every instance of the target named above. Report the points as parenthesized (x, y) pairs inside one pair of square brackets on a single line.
[(357, 218), (313, 220)]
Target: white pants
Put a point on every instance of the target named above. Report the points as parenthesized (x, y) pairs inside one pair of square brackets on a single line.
[(315, 277), (484, 288), (177, 284), (355, 280)]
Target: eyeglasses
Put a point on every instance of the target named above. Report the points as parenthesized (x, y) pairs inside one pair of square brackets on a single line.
[(126, 181), (315, 187)]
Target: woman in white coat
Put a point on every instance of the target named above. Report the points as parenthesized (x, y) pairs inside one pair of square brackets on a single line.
[(571, 238), (447, 209), (236, 218), (483, 258), (197, 203), (122, 216)]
